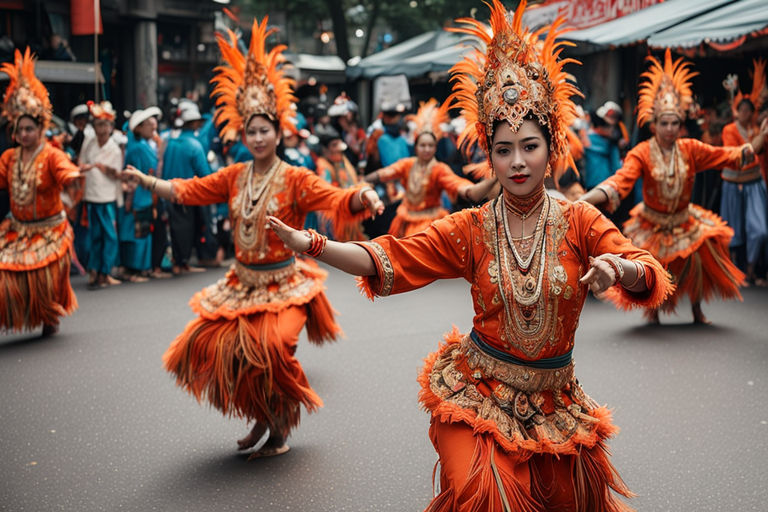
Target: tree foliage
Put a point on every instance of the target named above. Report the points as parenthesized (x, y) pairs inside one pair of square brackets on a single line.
[(406, 18)]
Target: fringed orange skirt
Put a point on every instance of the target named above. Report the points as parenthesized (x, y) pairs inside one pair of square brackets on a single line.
[(693, 247), (238, 355), (408, 222), (515, 443), (34, 273)]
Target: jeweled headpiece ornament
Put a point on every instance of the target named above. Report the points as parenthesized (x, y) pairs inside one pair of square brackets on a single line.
[(25, 94), (252, 84), (429, 118), (759, 92), (517, 75), (667, 89)]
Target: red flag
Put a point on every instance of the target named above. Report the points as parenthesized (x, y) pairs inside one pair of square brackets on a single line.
[(82, 17)]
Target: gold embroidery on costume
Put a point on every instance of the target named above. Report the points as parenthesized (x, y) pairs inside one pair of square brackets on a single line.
[(255, 200), (531, 297), (669, 177), (25, 178), (418, 177), (242, 288), (516, 404), (388, 279)]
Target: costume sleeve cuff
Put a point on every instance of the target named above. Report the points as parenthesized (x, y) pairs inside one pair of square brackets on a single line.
[(379, 284)]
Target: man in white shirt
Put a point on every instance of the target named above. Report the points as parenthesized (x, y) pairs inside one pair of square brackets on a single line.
[(103, 159)]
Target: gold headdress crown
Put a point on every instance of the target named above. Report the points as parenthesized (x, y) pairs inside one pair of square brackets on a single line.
[(516, 76), (667, 89), (759, 89), (430, 117), (252, 84), (25, 94)]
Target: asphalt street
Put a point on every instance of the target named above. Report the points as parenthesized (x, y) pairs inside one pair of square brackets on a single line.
[(90, 421)]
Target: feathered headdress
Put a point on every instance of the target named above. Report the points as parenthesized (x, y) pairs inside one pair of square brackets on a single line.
[(667, 89), (515, 76), (429, 118), (759, 88), (252, 84), (25, 94)]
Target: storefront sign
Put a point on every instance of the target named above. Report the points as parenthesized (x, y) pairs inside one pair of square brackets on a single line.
[(580, 14)]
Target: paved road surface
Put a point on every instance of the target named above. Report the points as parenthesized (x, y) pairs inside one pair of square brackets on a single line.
[(90, 421)]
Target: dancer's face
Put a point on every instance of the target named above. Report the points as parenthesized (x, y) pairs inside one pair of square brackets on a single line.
[(28, 133), (667, 129), (520, 158), (425, 147), (744, 114), (261, 138)]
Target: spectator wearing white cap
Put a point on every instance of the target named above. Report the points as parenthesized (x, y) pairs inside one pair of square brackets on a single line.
[(101, 160), (185, 158), (78, 119), (135, 217)]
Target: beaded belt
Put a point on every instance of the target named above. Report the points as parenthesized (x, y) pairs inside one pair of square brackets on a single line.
[(529, 376), (664, 219), (37, 225), (736, 176), (264, 274), (427, 213)]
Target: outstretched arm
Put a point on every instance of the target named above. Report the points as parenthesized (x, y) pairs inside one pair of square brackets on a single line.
[(349, 257), (163, 188)]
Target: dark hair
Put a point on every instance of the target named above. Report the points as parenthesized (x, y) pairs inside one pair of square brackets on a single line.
[(529, 117), (746, 101), (415, 142), (274, 122), (38, 122), (597, 121)]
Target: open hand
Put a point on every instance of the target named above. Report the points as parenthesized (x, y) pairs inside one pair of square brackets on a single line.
[(600, 275), (294, 239), (747, 154)]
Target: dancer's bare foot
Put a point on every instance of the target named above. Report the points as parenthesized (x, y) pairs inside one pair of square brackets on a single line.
[(252, 438), (274, 446), (698, 315)]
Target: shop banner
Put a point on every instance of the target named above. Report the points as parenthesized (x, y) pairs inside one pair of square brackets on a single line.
[(580, 14)]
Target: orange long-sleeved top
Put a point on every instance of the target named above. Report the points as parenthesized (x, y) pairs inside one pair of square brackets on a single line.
[(54, 170), (733, 137), (297, 191), (661, 191), (440, 178), (471, 244)]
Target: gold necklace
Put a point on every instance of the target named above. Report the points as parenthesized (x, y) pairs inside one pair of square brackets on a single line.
[(524, 263), (24, 182)]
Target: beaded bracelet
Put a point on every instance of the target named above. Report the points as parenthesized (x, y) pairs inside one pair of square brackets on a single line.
[(316, 244), (615, 263)]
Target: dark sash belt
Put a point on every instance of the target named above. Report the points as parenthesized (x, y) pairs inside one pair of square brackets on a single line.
[(269, 266), (548, 363)]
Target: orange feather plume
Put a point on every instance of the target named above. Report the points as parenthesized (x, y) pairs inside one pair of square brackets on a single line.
[(667, 89), (252, 84), (759, 92), (429, 118), (516, 75), (25, 94)]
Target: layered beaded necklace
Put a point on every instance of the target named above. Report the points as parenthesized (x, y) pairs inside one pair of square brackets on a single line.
[(253, 211), (523, 208)]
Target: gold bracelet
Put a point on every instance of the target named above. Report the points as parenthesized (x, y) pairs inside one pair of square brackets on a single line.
[(154, 184), (640, 274), (360, 196)]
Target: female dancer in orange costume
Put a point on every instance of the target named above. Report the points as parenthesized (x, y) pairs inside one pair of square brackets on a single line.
[(424, 178), (743, 201), (511, 425), (691, 242), (35, 239), (238, 354)]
